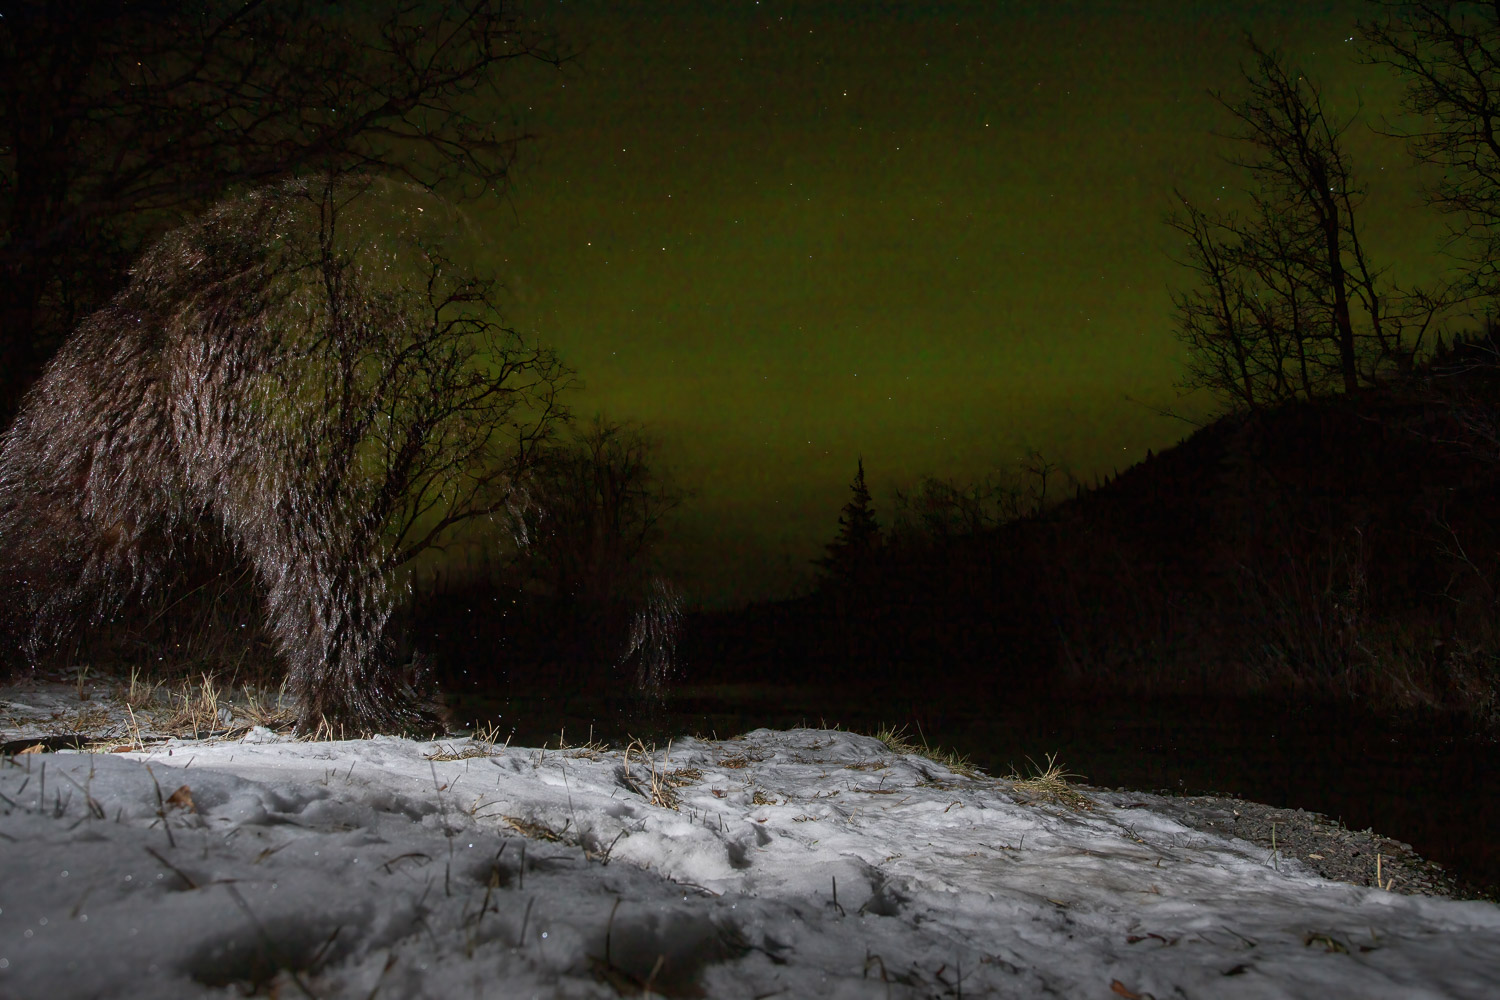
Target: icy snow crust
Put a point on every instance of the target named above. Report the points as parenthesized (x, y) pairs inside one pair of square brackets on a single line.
[(364, 868)]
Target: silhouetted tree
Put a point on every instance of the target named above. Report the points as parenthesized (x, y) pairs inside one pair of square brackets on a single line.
[(943, 509), (118, 120), (940, 509), (850, 558), (1288, 302), (599, 501), (1449, 55)]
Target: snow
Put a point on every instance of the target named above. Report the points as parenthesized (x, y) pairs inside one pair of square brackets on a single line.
[(804, 863)]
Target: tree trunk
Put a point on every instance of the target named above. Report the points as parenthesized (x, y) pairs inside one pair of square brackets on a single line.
[(1337, 279)]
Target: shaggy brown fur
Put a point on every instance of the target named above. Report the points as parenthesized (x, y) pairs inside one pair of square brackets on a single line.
[(201, 396)]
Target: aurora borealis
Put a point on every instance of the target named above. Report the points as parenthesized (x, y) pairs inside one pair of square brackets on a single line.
[(785, 235)]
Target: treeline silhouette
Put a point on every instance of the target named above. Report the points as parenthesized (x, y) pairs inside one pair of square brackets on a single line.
[(1342, 547), (573, 601)]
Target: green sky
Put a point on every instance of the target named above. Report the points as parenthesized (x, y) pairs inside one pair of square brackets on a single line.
[(788, 234)]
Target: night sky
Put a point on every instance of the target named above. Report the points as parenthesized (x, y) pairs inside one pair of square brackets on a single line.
[(785, 235)]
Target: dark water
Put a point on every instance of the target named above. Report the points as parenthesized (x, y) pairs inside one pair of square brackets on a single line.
[(1416, 782)]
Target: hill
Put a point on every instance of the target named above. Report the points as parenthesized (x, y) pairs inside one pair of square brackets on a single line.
[(1342, 547)]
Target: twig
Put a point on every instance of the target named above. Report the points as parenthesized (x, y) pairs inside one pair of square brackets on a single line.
[(525, 919), (161, 809), (175, 870), (265, 942)]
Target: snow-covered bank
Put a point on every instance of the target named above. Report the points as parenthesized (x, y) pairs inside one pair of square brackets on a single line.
[(365, 868)]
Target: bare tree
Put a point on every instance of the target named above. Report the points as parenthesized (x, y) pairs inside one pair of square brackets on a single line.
[(434, 405), (1288, 302), (119, 120), (944, 509), (1249, 324), (600, 501), (1449, 55)]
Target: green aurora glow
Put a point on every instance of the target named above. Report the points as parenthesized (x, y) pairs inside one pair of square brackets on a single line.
[(786, 235)]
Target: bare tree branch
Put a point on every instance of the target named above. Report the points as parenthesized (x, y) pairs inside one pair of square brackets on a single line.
[(118, 120), (1448, 53), (1287, 302), (600, 502)]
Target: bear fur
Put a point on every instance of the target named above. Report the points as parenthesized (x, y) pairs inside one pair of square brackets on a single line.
[(205, 396)]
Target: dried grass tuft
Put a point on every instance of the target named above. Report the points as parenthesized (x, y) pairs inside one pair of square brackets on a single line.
[(898, 741), (660, 788), (1050, 784), (197, 712)]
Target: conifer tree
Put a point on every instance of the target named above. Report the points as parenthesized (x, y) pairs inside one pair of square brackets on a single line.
[(851, 555)]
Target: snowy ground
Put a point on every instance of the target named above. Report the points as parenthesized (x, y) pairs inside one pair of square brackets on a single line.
[(806, 863)]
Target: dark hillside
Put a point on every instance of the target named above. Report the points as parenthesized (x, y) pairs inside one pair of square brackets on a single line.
[(1341, 545), (1341, 548)]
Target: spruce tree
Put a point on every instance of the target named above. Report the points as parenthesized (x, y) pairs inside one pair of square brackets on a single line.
[(850, 556)]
